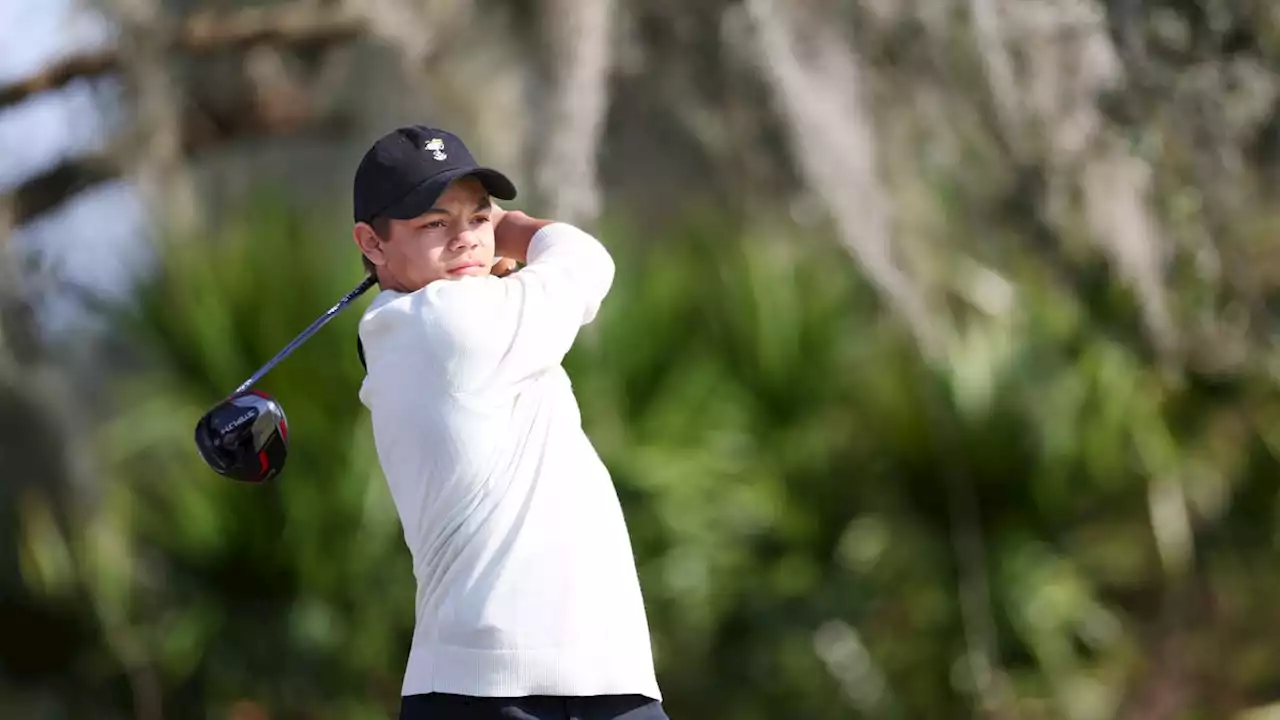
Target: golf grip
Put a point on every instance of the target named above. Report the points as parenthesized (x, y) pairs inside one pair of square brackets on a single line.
[(320, 322)]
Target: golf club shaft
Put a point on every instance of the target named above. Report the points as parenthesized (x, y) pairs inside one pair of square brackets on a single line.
[(311, 330)]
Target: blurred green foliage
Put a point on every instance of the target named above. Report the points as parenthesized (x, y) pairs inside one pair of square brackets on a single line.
[(1044, 521), (827, 525)]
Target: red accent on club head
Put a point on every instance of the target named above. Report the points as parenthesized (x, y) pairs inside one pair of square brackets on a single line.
[(284, 430), (262, 460)]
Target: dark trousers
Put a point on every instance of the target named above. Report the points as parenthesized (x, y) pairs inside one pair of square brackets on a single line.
[(442, 706)]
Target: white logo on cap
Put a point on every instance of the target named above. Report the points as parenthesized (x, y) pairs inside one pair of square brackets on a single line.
[(436, 146)]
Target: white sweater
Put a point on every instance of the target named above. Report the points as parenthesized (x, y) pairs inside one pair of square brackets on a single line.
[(526, 580)]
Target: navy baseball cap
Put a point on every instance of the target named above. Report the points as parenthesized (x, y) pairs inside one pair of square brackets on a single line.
[(406, 170)]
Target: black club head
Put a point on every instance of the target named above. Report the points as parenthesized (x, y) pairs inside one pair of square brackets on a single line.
[(245, 438)]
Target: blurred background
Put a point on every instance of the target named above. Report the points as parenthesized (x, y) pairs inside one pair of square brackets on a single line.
[(939, 379)]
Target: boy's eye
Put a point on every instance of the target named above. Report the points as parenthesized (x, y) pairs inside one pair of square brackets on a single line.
[(434, 224), (480, 219)]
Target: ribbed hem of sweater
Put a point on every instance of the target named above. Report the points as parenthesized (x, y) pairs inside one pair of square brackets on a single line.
[(518, 673)]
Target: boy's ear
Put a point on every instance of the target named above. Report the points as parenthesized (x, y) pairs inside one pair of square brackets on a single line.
[(368, 243)]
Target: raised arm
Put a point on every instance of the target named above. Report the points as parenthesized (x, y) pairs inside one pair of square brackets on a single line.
[(511, 328)]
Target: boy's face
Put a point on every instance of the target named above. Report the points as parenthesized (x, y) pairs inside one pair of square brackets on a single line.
[(452, 240)]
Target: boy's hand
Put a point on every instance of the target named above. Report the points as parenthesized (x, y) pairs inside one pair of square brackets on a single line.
[(512, 232), (503, 267)]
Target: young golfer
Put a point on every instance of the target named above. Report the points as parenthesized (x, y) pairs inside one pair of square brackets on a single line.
[(528, 603)]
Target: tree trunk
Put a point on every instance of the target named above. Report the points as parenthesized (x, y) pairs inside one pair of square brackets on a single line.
[(576, 39)]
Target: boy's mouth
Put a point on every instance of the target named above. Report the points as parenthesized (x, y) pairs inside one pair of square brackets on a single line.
[(464, 267)]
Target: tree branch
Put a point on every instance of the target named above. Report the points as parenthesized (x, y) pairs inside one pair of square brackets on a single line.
[(51, 188), (299, 25), (45, 192), (59, 74)]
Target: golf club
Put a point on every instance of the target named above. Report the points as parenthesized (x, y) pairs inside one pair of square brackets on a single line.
[(246, 436)]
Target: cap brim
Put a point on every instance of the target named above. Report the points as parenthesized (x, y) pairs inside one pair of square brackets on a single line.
[(423, 198)]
